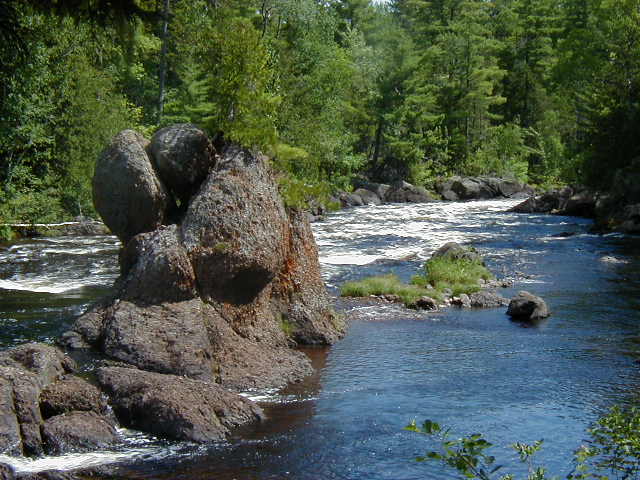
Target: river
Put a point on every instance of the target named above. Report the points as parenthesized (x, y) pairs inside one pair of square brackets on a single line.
[(473, 371)]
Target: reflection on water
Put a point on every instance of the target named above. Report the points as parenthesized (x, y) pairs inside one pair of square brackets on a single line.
[(471, 370)]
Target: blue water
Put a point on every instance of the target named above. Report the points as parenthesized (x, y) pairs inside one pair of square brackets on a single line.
[(473, 371)]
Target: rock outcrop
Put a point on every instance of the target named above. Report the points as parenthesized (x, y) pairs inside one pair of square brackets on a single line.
[(574, 201), (212, 295), (527, 307)]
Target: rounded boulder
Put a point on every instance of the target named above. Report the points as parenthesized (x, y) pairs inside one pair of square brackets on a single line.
[(183, 155), (127, 193)]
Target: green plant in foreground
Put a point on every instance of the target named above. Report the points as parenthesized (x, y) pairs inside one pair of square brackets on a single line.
[(614, 447)]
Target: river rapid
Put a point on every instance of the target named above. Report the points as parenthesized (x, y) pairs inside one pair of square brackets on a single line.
[(471, 370)]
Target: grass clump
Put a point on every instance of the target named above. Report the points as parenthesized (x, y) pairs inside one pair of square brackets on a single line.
[(386, 285), (286, 326), (460, 275)]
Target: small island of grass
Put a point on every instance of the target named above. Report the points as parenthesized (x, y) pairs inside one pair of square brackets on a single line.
[(452, 271)]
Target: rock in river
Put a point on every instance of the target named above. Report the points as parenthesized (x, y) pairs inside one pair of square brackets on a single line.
[(213, 301), (526, 306)]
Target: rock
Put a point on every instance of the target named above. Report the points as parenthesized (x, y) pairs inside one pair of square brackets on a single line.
[(71, 393), (183, 155), (48, 475), (127, 193), (478, 188), (368, 197), (167, 338), (10, 440), (175, 407), (526, 306), (7, 472), (380, 189), (348, 200), (456, 251), (77, 432), (219, 298), (403, 192), (426, 303), (462, 301), (157, 268), (24, 371), (471, 189), (45, 362), (581, 204), (630, 222), (392, 298), (487, 299), (234, 229)]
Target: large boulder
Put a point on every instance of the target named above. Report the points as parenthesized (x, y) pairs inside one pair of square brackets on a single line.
[(234, 228), (183, 155), (480, 188), (527, 307), (367, 196), (77, 432), (348, 200), (175, 407), (127, 193), (166, 338)]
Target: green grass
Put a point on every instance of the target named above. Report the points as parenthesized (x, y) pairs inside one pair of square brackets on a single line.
[(387, 285), (286, 326), (458, 275), (442, 273)]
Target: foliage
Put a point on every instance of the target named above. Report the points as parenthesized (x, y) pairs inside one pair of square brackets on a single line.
[(459, 275), (613, 446)]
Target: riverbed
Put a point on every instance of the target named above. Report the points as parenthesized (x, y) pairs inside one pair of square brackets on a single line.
[(471, 370)]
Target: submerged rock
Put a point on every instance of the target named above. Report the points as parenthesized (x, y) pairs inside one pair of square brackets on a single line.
[(528, 307)]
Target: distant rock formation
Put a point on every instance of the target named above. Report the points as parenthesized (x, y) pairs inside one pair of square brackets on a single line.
[(219, 280), (481, 188)]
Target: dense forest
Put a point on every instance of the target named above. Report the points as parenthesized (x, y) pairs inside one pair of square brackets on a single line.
[(545, 91)]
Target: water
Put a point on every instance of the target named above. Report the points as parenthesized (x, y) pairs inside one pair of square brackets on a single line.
[(474, 371)]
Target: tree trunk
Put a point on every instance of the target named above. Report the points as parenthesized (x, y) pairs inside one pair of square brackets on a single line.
[(164, 34)]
